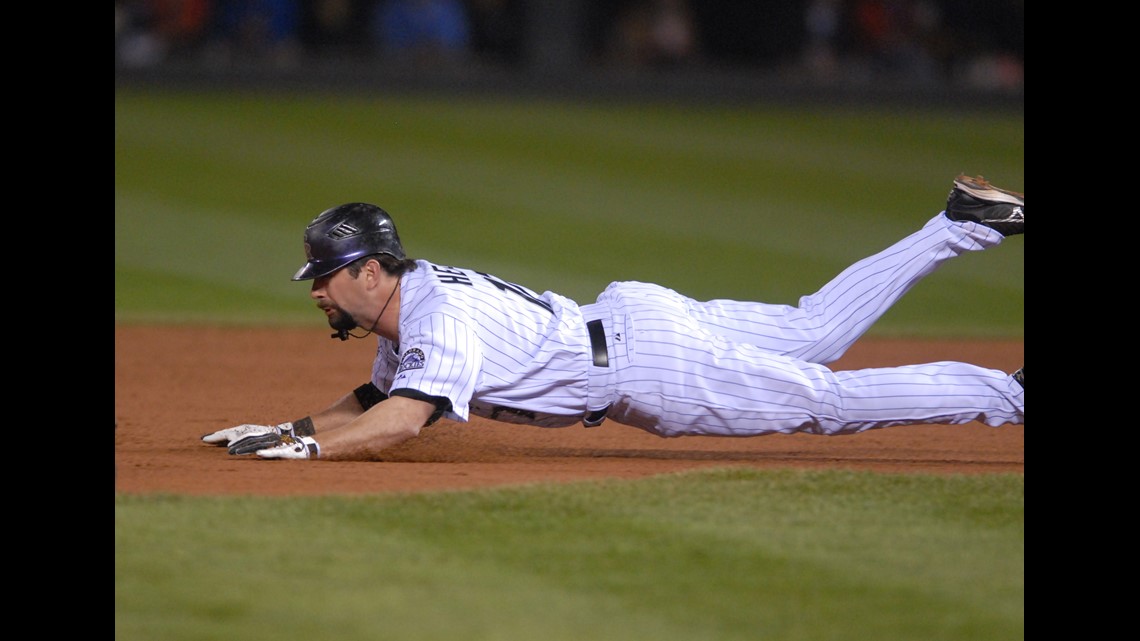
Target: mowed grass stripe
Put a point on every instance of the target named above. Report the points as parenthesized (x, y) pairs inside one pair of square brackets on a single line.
[(725, 554), (570, 197)]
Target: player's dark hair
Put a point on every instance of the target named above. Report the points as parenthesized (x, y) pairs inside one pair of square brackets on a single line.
[(394, 266)]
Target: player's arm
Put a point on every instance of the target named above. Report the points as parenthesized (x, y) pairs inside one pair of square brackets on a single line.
[(346, 408), (248, 438), (387, 423)]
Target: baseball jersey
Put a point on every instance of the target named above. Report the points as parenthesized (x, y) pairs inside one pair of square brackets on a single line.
[(492, 348)]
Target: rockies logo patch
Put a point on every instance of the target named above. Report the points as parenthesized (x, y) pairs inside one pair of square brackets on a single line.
[(412, 359)]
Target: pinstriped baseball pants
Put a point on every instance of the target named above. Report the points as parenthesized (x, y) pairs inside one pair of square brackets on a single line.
[(737, 368)]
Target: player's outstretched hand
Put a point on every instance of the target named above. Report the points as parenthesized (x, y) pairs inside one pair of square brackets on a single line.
[(252, 442), (299, 448), (231, 434)]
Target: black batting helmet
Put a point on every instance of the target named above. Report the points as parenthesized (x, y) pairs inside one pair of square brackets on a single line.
[(344, 233)]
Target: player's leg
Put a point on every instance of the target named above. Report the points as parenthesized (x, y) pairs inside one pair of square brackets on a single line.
[(674, 384), (825, 324)]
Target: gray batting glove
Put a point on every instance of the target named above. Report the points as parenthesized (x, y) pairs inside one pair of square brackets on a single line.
[(302, 447), (231, 434)]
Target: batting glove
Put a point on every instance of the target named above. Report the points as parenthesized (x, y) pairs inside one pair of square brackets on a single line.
[(231, 434), (274, 436), (299, 448)]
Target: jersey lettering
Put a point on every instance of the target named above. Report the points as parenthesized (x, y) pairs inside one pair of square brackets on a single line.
[(451, 275), (517, 289)]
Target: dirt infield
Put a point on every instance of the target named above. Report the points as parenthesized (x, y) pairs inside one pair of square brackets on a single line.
[(173, 384)]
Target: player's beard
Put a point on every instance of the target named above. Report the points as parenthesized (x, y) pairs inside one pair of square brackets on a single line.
[(340, 319)]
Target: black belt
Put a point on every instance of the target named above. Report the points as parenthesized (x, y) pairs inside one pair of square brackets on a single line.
[(598, 343), (601, 359)]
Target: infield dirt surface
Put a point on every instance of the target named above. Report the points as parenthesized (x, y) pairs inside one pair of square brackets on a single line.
[(174, 384)]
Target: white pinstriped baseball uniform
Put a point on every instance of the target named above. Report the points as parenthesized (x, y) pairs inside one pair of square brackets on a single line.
[(675, 366)]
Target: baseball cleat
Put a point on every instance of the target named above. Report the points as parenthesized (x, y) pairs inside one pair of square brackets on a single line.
[(975, 199), (1019, 376)]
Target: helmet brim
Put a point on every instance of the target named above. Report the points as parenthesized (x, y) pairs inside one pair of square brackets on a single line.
[(316, 269)]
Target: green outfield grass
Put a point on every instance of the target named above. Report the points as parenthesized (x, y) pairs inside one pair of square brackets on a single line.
[(212, 192), (724, 555)]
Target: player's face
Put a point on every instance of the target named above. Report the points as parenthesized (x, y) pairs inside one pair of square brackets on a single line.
[(327, 290)]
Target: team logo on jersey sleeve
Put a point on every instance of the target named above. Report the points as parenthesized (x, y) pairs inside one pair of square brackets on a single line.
[(412, 359)]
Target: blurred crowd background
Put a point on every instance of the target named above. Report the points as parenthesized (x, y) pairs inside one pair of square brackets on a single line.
[(977, 44)]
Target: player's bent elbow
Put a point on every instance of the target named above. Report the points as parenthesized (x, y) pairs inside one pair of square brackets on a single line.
[(411, 431), (401, 433)]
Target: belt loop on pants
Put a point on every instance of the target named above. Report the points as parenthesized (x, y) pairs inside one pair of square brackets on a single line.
[(601, 359)]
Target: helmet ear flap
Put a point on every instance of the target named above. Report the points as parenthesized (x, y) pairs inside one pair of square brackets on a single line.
[(344, 233)]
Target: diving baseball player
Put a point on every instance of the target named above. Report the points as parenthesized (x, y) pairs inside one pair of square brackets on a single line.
[(453, 342)]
